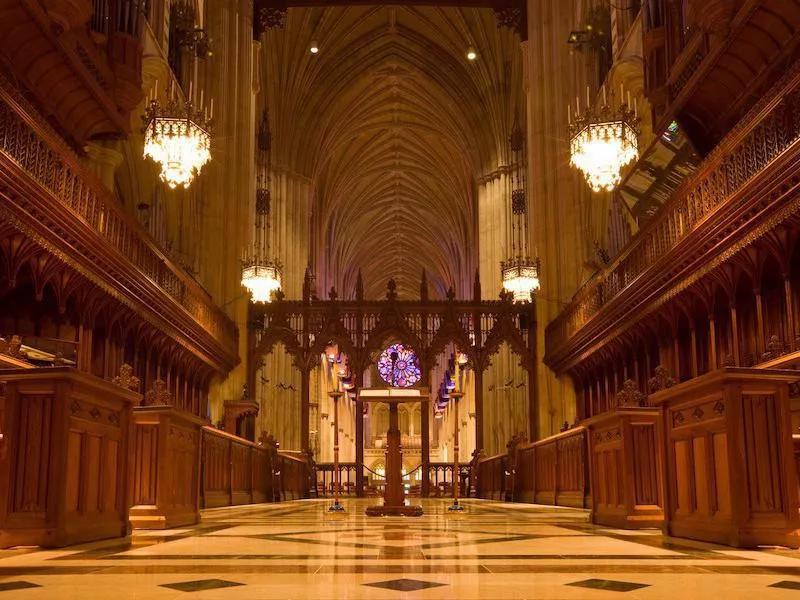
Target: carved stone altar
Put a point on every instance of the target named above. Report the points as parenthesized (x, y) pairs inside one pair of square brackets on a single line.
[(394, 498)]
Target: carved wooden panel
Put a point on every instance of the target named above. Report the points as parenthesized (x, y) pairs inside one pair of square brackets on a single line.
[(145, 470), (33, 429), (66, 479), (730, 467)]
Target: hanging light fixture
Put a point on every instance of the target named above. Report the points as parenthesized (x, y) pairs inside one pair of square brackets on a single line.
[(261, 272), (519, 272), (177, 137), (604, 140)]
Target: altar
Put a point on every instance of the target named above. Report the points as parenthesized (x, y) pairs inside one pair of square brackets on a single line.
[(394, 497)]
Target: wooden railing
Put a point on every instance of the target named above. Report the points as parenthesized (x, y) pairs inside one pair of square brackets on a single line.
[(87, 214), (441, 480), (764, 136), (552, 471), (236, 471), (326, 478), (492, 476)]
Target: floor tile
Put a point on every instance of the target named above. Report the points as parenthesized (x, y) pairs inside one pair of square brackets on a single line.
[(787, 585), (610, 585), (201, 585), (8, 586), (405, 585)]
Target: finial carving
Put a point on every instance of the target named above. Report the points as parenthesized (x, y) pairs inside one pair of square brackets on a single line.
[(661, 380), (159, 395), (630, 395), (126, 379)]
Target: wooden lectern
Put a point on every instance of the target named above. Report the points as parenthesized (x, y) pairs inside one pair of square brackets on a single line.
[(394, 498)]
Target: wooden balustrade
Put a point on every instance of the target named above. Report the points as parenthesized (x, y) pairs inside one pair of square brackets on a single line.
[(292, 474), (734, 185), (64, 466), (441, 479), (326, 477), (730, 468), (104, 243), (491, 484), (553, 471), (236, 471)]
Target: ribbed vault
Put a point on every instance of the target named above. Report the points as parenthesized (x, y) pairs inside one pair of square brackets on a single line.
[(393, 125)]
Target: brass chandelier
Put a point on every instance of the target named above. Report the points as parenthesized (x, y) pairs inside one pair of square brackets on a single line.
[(604, 140), (261, 272), (520, 272), (177, 136)]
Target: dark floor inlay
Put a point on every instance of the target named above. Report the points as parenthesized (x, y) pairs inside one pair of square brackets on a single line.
[(7, 586), (786, 585), (405, 585), (201, 585), (608, 584)]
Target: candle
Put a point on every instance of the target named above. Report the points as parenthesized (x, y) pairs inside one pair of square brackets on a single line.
[(588, 99), (569, 114), (201, 97), (211, 110), (629, 100), (635, 108)]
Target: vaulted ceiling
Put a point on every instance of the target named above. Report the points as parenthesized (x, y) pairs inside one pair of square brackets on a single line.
[(394, 126)]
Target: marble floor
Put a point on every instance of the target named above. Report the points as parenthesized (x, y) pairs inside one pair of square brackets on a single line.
[(490, 551)]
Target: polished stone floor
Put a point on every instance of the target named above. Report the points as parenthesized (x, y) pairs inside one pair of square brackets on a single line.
[(490, 551)]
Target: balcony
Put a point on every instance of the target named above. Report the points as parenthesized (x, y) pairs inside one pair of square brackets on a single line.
[(80, 59), (53, 200), (706, 69), (737, 194)]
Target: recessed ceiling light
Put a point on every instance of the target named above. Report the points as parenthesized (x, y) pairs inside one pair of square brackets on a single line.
[(471, 54), (314, 47)]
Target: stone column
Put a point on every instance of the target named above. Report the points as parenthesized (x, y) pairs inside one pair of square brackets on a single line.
[(104, 158)]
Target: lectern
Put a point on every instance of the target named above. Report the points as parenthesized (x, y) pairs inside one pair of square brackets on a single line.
[(394, 497)]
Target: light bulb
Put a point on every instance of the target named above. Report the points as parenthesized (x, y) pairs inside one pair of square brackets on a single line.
[(314, 47), (471, 54)]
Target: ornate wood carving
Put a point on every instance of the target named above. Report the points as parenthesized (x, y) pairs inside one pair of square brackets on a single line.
[(126, 379), (361, 328), (683, 243), (630, 395), (661, 381), (159, 395), (61, 215)]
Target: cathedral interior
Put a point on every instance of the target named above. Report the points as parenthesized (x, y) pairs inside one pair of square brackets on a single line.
[(375, 299)]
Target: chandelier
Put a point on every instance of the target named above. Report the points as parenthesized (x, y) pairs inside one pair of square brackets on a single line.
[(603, 141), (261, 273), (520, 277), (177, 137), (519, 272)]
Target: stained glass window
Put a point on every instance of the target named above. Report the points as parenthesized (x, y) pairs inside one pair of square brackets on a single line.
[(398, 366)]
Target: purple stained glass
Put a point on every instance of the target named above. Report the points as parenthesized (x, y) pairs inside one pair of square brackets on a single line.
[(398, 366)]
